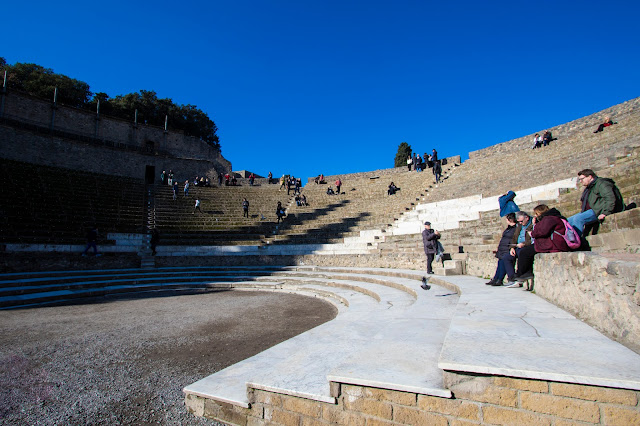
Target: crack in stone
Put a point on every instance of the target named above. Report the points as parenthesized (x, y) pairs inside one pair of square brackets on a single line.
[(534, 329)]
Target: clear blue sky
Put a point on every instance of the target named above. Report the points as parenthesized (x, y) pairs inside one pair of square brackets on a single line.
[(309, 87)]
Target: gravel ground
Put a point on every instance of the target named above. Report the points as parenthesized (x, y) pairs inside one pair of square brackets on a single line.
[(126, 361)]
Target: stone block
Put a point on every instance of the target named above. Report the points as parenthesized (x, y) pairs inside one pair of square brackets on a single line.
[(539, 386), (394, 397), (450, 407), (413, 416), (594, 393), (613, 241), (481, 389), (305, 407), (194, 405), (507, 416), (267, 398), (620, 416), (560, 406), (276, 415), (335, 414), (228, 413), (368, 406)]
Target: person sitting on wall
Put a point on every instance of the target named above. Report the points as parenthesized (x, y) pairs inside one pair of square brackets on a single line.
[(503, 249), (547, 237), (303, 200), (607, 122), (392, 189), (521, 238)]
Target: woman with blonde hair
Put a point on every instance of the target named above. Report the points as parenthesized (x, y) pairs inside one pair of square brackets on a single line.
[(546, 222)]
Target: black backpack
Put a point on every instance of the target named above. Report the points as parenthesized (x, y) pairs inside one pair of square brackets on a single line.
[(619, 201)]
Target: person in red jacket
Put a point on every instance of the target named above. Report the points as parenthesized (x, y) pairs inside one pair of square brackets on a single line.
[(547, 232)]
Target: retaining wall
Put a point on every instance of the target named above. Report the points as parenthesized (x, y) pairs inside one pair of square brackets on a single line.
[(476, 399), (602, 291)]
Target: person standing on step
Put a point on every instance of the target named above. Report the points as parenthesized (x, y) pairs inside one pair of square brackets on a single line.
[(186, 188), (430, 242), (155, 238), (245, 208), (175, 190), (197, 207), (338, 185), (437, 171), (92, 239)]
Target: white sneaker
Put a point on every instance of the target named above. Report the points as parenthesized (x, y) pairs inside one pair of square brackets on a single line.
[(514, 284)]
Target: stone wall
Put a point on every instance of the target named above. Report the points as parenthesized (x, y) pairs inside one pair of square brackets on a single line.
[(476, 399), (35, 148), (604, 292), (99, 140)]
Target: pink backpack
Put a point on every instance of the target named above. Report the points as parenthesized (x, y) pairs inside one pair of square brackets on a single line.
[(570, 236)]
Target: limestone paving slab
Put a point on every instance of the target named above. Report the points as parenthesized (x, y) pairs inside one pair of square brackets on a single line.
[(511, 332)]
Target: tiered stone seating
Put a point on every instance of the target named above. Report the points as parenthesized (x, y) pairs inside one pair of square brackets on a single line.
[(363, 204), (52, 205), (221, 221)]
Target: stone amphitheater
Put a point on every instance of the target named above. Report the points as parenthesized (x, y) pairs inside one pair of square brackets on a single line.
[(567, 353)]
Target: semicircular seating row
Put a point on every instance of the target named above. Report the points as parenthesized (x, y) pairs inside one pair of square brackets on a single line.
[(388, 332)]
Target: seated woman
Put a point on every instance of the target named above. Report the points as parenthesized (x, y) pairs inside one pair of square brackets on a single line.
[(607, 122), (547, 137), (330, 191), (537, 141), (548, 229), (503, 249), (392, 189)]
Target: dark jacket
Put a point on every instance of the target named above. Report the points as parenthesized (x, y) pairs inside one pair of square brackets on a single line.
[(430, 241), (601, 194), (546, 241), (505, 241), (527, 237)]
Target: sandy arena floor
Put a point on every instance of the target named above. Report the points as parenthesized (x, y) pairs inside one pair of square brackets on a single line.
[(126, 361)]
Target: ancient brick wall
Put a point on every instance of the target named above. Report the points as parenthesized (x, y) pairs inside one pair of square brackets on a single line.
[(477, 399)]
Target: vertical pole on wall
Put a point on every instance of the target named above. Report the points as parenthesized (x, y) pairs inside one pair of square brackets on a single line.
[(135, 118), (4, 91), (53, 108), (166, 121), (97, 119)]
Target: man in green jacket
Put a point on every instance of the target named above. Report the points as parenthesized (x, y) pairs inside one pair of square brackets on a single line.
[(600, 198)]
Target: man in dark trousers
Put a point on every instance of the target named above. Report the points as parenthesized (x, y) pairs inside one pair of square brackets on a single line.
[(430, 242)]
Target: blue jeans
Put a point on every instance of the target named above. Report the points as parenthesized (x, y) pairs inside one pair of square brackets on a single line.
[(578, 221), (510, 264), (501, 271)]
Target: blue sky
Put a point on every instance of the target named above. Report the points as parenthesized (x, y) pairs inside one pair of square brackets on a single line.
[(309, 87)]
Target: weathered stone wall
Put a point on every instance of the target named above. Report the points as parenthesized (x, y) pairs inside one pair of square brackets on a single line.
[(482, 264), (603, 292), (477, 399), (23, 145), (83, 129)]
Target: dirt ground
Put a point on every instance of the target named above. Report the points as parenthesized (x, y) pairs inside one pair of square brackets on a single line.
[(126, 361)]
